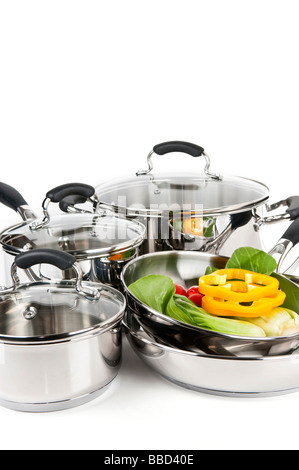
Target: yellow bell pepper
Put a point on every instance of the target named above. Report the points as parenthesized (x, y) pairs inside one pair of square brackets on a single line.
[(229, 308), (194, 226), (237, 285)]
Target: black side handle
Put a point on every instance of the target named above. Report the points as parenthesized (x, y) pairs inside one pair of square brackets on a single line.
[(60, 259), (70, 189), (10, 197), (71, 201), (240, 219), (292, 232), (178, 146), (293, 206)]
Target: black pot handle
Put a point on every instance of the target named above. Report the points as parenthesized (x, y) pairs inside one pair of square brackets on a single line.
[(286, 243), (293, 207), (68, 201), (10, 197), (58, 193), (240, 219), (178, 146), (60, 259), (292, 232)]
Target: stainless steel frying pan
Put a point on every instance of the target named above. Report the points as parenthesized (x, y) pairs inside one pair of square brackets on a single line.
[(185, 268)]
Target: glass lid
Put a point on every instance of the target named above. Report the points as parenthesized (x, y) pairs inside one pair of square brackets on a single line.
[(45, 312), (84, 235), (55, 310), (156, 193), (149, 192)]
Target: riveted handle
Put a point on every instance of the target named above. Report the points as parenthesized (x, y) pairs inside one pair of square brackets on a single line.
[(60, 259)]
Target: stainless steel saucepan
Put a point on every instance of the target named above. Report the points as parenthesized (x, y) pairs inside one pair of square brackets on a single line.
[(194, 210), (101, 242), (60, 341), (185, 268)]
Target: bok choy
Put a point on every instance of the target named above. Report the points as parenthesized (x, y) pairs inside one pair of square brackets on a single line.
[(158, 292)]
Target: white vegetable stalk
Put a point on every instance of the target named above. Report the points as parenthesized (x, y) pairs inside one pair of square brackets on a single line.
[(280, 322)]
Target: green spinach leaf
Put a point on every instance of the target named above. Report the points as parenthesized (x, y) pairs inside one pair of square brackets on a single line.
[(252, 259)]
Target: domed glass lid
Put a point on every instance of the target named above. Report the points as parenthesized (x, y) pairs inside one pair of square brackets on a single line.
[(148, 192), (155, 193), (54, 310), (84, 235)]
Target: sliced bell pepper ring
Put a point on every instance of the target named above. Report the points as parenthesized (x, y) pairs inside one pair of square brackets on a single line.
[(237, 285), (230, 308)]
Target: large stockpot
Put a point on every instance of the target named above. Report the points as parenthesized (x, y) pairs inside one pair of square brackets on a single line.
[(101, 242), (185, 268), (230, 376), (60, 341), (232, 209)]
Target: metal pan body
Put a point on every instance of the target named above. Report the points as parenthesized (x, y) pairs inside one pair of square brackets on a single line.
[(224, 376)]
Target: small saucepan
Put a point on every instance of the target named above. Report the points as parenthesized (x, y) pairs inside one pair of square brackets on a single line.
[(101, 242), (60, 340)]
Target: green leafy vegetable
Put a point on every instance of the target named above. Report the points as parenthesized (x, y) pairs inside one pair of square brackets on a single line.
[(210, 270), (252, 259), (158, 292), (199, 317)]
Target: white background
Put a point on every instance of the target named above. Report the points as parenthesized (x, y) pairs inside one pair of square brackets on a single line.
[(86, 89)]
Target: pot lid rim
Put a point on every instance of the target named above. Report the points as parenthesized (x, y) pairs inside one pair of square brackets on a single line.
[(137, 227), (54, 338), (205, 212), (111, 185)]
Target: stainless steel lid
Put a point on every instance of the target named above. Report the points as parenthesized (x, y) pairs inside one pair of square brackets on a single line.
[(85, 236), (209, 193), (43, 312)]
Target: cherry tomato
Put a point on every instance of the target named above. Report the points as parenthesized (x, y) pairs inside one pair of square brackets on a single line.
[(196, 298), (180, 290), (192, 290)]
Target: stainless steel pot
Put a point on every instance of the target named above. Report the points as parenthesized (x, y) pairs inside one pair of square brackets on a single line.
[(232, 209), (102, 243), (185, 268), (60, 341), (218, 375)]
